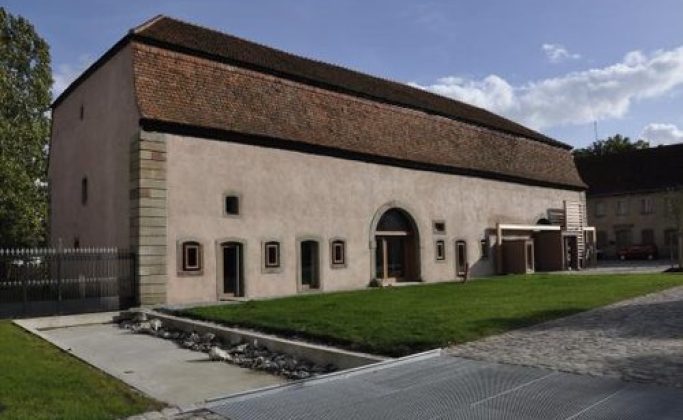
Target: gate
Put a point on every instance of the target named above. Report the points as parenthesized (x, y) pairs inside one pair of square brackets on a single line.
[(47, 281)]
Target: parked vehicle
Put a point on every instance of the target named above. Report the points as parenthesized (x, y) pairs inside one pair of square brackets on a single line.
[(638, 252)]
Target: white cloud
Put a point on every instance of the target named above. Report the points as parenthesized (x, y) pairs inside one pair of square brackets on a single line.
[(64, 74), (556, 53), (573, 98), (658, 133)]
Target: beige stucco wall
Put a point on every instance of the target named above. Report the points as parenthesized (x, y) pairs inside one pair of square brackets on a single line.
[(659, 220), (288, 195), (97, 147)]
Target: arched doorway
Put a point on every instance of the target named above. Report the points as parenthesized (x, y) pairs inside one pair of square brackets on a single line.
[(396, 247)]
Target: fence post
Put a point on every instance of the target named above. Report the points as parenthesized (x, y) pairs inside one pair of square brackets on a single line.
[(59, 280), (24, 292)]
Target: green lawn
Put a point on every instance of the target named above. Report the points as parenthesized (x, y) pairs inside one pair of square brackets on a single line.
[(402, 320), (39, 381)]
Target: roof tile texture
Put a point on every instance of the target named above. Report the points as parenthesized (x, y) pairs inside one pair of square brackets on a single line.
[(223, 46)]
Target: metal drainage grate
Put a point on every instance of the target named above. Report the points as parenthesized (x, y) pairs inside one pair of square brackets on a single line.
[(445, 387)]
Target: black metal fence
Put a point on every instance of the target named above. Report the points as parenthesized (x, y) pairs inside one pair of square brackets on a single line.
[(41, 282)]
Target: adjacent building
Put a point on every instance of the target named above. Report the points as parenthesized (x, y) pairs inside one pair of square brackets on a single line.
[(236, 170), (630, 198)]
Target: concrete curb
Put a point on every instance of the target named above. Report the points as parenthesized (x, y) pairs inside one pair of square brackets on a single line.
[(316, 353), (63, 321)]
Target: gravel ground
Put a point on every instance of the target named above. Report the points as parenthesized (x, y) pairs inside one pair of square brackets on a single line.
[(640, 339)]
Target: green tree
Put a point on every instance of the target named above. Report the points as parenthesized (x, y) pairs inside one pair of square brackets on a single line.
[(611, 145), (25, 83)]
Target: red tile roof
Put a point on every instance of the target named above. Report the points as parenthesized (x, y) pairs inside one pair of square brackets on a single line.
[(168, 32)]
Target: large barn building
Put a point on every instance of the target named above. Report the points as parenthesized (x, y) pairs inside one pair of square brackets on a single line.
[(236, 170)]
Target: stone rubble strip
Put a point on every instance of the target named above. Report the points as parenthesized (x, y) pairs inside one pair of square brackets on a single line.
[(247, 355), (639, 340)]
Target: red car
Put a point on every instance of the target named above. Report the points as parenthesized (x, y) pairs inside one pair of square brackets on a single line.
[(638, 252)]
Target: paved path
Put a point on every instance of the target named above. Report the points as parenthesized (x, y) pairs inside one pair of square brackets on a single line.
[(639, 339), (158, 367)]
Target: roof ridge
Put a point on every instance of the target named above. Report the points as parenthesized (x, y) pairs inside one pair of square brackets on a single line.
[(149, 22)]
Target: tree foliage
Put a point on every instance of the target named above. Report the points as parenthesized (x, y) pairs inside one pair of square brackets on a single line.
[(611, 145), (25, 83)]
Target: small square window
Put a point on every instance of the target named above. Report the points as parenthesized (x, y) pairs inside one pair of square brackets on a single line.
[(647, 237), (192, 259), (84, 191), (647, 206), (439, 227), (600, 209), (440, 251), (338, 253), (272, 254), (622, 208), (232, 205)]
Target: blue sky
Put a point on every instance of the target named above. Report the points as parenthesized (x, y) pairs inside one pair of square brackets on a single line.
[(556, 66)]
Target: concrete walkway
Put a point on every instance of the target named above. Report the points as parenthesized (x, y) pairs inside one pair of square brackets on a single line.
[(640, 339), (158, 367)]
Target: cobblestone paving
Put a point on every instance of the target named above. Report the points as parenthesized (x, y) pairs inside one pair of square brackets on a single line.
[(640, 339)]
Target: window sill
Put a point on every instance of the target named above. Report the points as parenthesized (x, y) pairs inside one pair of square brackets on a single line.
[(271, 270), (197, 273)]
